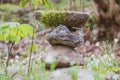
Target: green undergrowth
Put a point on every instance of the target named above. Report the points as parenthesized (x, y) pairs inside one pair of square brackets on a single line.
[(63, 5), (7, 12), (14, 31), (105, 64), (9, 7), (101, 65)]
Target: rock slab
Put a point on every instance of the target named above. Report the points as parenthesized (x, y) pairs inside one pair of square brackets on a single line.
[(68, 18), (61, 35)]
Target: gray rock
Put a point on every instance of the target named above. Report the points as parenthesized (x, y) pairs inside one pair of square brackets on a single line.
[(62, 55), (62, 36)]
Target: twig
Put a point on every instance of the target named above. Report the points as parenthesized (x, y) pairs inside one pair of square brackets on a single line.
[(8, 58), (9, 53), (14, 74), (29, 64)]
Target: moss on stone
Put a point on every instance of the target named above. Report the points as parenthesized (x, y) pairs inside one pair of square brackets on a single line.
[(68, 18), (53, 18)]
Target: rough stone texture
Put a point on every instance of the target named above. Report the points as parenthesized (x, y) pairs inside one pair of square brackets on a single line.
[(62, 36), (76, 19), (63, 74), (64, 56), (68, 18)]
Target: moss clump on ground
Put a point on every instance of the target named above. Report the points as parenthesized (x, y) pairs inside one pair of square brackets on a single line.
[(53, 18)]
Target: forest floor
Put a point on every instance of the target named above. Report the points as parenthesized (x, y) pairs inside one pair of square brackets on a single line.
[(100, 60)]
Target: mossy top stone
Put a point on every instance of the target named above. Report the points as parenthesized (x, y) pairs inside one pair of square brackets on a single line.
[(67, 18)]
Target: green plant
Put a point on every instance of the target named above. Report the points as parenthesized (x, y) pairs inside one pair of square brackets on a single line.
[(103, 64), (31, 50), (13, 32), (73, 71), (36, 3)]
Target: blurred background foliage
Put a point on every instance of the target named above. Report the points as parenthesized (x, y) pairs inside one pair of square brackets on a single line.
[(23, 10), (13, 10)]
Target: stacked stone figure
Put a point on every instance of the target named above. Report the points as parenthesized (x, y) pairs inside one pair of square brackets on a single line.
[(65, 36)]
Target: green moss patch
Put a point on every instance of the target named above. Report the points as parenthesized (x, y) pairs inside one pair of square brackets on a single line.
[(53, 18), (67, 18)]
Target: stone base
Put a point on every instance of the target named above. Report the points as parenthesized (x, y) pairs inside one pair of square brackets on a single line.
[(63, 56)]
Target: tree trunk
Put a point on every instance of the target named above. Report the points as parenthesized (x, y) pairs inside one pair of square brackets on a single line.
[(108, 18)]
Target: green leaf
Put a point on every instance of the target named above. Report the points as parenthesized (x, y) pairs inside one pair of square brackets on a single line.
[(24, 2), (4, 29), (102, 71), (34, 47), (73, 71), (53, 66), (115, 68), (7, 26), (46, 3), (1, 37), (11, 38), (10, 24), (36, 3), (22, 34), (26, 29), (13, 31)]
